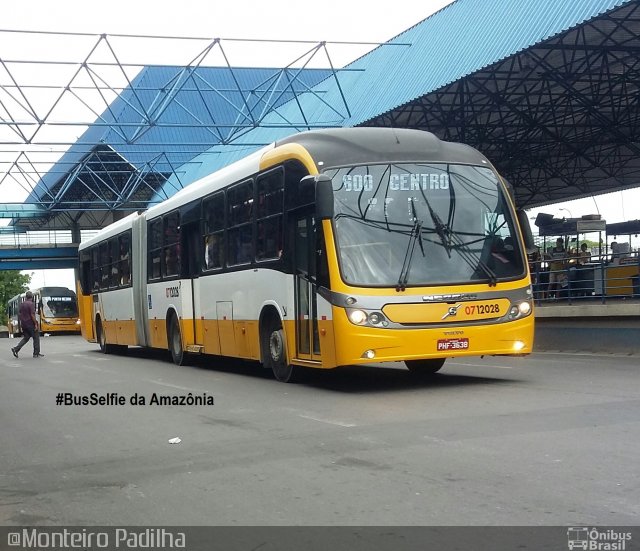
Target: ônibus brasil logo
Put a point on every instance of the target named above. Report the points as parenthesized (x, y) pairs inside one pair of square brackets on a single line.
[(596, 539)]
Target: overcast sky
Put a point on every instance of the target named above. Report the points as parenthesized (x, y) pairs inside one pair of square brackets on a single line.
[(278, 19)]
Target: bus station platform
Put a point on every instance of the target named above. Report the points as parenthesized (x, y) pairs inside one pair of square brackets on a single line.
[(611, 327)]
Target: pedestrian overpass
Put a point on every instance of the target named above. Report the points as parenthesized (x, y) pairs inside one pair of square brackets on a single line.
[(38, 257)]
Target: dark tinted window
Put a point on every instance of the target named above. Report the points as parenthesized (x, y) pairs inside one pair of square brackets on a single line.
[(240, 224), (213, 211), (270, 215), (270, 193), (171, 251), (107, 265), (240, 200), (155, 249)]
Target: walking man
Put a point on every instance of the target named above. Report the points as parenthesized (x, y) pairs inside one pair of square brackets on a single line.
[(29, 324)]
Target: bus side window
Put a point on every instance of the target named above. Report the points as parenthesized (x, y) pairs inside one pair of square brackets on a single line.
[(95, 269), (214, 218), (240, 218), (240, 245), (171, 261), (155, 249), (269, 214), (114, 254), (213, 251), (85, 272), (124, 244), (103, 262), (171, 257)]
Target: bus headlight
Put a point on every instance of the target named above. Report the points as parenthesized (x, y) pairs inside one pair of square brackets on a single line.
[(524, 308), (376, 318), (78, 321), (520, 310), (357, 317), (372, 319)]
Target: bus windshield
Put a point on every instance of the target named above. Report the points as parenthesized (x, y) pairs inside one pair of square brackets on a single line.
[(423, 224), (59, 307)]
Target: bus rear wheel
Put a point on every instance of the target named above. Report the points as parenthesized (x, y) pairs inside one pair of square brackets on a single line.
[(105, 347), (275, 352), (425, 367), (175, 342)]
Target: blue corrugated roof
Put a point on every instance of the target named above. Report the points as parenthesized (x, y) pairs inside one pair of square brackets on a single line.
[(197, 97), (456, 41)]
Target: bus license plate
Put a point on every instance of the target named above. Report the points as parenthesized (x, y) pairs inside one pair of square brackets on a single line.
[(453, 344)]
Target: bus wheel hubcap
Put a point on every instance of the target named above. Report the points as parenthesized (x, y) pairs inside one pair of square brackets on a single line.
[(275, 346)]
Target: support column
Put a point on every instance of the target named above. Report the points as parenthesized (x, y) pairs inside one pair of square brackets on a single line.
[(75, 233), (76, 237)]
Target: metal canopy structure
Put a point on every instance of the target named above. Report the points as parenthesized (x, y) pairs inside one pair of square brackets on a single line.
[(560, 119), (548, 91), (151, 125)]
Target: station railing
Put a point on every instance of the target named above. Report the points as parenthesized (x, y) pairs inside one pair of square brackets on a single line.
[(601, 279)]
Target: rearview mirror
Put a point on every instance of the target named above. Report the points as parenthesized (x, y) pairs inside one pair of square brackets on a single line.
[(323, 195), (525, 228)]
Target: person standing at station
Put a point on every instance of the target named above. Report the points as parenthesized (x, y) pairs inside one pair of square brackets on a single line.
[(584, 256), (557, 274), (615, 253), (29, 324)]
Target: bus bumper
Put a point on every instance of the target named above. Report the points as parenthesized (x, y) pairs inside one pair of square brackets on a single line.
[(362, 344)]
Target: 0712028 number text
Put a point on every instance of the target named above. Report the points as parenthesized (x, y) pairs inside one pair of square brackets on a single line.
[(481, 309)]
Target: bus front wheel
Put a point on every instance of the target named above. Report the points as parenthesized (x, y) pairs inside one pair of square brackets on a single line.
[(425, 367), (275, 352)]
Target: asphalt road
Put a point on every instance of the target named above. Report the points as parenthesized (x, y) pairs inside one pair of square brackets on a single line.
[(550, 439)]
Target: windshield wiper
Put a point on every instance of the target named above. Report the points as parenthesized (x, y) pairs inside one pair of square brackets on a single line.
[(472, 261), (441, 229), (448, 236), (415, 235)]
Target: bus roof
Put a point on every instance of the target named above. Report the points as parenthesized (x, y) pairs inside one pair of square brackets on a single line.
[(367, 145)]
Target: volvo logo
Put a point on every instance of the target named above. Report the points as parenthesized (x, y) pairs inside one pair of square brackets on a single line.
[(451, 311)]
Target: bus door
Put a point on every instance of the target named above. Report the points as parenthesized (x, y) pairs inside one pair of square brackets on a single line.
[(304, 243)]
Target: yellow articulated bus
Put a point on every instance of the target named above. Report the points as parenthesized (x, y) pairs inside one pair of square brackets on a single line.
[(56, 311), (327, 248)]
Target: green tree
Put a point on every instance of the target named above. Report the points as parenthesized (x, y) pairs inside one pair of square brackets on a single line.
[(12, 283)]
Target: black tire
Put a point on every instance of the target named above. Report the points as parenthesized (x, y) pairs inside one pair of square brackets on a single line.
[(175, 342), (275, 352), (425, 367), (105, 347)]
